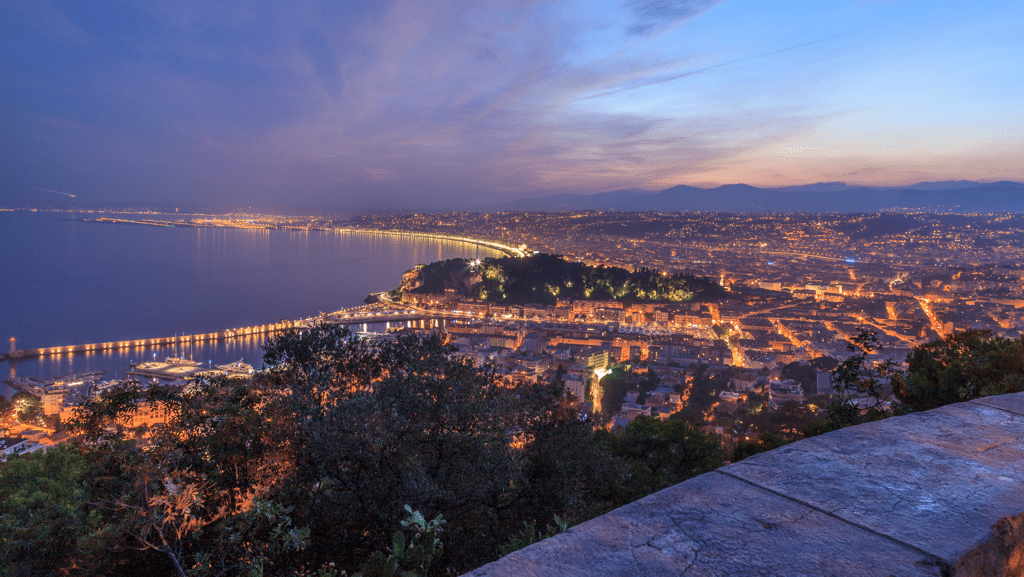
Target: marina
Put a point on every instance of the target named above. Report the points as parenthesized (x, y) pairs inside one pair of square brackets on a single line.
[(171, 368), (353, 316), (180, 358)]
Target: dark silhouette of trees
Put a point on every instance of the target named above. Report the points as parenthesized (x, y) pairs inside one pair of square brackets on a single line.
[(663, 453), (543, 278), (959, 367), (331, 459)]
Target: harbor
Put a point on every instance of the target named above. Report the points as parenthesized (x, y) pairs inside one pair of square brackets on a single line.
[(367, 314), (182, 369), (233, 352)]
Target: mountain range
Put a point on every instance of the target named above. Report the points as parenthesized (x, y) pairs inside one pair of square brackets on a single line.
[(961, 196)]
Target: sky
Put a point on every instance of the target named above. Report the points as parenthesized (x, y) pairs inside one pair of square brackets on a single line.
[(458, 103)]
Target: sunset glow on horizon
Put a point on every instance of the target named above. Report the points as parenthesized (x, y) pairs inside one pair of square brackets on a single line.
[(443, 103)]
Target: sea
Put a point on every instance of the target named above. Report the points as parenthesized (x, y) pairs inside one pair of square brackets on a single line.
[(66, 281)]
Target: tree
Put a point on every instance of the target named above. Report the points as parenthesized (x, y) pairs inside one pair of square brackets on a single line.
[(6, 407), (30, 410), (663, 453), (858, 378), (46, 519), (704, 389), (310, 464), (614, 386), (806, 375), (765, 442), (543, 278), (373, 425), (690, 415), (787, 421), (824, 363), (959, 367), (200, 497)]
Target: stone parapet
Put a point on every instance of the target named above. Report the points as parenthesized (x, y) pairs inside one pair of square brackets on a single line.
[(938, 493)]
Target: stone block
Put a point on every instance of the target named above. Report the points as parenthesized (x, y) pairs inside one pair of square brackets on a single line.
[(935, 493), (938, 481), (714, 525), (1013, 403)]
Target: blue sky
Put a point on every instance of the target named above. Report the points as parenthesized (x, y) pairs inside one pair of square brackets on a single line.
[(419, 102)]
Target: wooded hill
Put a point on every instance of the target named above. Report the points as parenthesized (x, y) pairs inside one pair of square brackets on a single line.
[(544, 278)]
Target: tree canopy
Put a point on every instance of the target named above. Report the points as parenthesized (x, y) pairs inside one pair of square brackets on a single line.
[(959, 367), (544, 278), (331, 459)]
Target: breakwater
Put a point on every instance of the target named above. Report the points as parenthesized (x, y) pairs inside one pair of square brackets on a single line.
[(178, 340), (355, 316)]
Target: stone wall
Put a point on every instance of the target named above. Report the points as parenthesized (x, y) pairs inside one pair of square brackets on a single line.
[(939, 493)]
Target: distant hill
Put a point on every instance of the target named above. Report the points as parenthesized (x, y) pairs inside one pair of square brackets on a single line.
[(948, 196), (600, 201), (994, 197)]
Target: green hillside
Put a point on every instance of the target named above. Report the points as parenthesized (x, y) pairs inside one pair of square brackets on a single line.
[(543, 278)]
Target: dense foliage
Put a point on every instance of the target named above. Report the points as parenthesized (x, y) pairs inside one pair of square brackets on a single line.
[(764, 442), (46, 522), (544, 278), (6, 407), (958, 367), (333, 459), (330, 460), (663, 453)]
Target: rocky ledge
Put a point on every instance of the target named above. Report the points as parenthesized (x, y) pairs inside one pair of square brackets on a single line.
[(939, 493)]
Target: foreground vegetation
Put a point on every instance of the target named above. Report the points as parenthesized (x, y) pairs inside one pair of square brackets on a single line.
[(386, 458), (958, 367), (309, 469)]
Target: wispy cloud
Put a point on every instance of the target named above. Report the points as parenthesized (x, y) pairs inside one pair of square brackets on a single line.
[(331, 102), (49, 20), (653, 14), (486, 98), (56, 191)]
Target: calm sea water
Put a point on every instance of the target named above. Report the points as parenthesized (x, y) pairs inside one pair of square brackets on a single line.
[(66, 282)]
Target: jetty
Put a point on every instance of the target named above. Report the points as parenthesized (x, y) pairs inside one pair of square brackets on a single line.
[(180, 340)]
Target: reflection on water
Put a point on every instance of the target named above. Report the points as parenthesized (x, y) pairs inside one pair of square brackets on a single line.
[(72, 282)]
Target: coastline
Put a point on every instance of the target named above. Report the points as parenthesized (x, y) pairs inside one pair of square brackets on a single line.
[(508, 250), (501, 247), (100, 346)]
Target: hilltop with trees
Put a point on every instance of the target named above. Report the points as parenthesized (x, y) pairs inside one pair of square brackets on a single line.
[(545, 278)]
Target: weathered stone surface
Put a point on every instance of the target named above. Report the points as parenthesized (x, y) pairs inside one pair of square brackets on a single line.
[(1001, 555), (1013, 403), (937, 481), (898, 497), (714, 525)]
